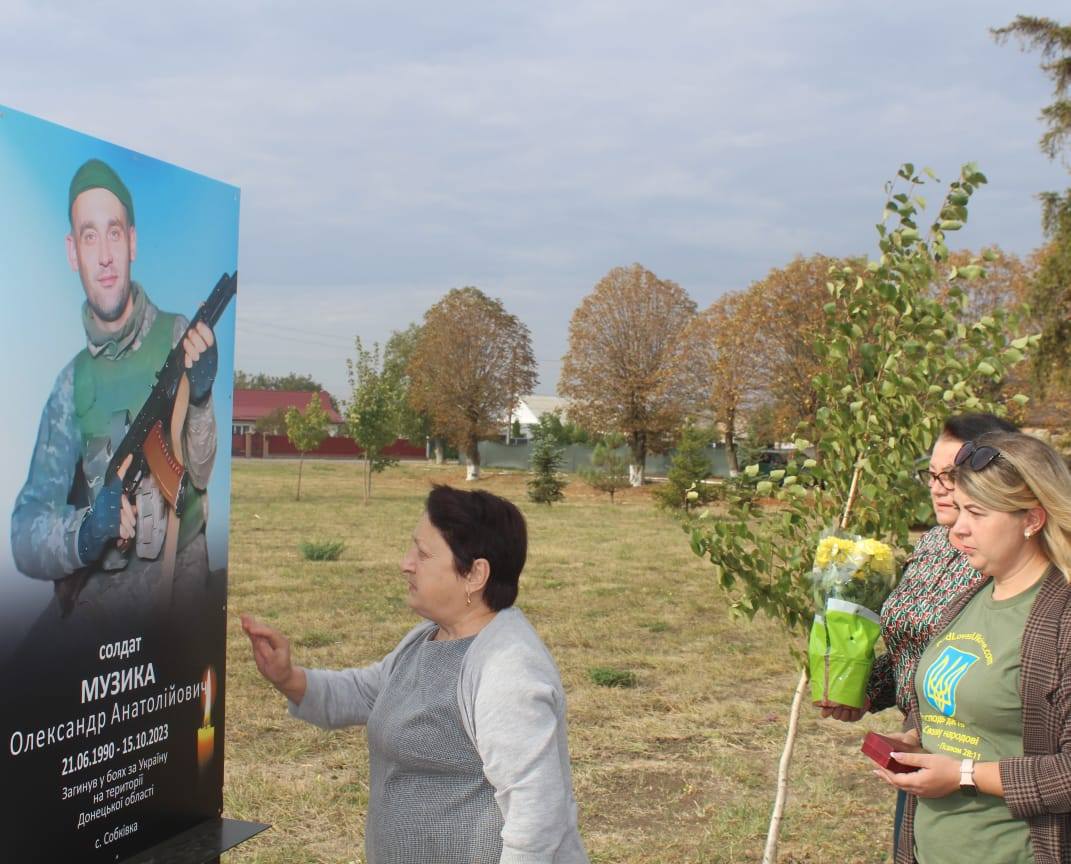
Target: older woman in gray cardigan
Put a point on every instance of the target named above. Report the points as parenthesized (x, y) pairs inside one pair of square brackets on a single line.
[(466, 724)]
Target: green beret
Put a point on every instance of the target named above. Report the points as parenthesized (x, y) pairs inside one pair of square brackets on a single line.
[(95, 174)]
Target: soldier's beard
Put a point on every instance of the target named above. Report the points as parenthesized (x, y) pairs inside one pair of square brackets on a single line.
[(114, 312)]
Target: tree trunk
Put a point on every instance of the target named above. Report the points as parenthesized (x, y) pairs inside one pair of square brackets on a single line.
[(730, 445), (473, 455), (438, 447), (638, 445), (769, 855), (367, 477), (300, 464)]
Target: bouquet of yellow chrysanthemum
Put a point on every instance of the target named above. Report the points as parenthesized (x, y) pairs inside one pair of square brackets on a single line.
[(851, 578)]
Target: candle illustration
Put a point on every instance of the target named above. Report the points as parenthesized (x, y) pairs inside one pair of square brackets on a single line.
[(206, 735)]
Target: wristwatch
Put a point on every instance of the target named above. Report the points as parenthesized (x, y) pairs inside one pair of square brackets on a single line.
[(966, 778)]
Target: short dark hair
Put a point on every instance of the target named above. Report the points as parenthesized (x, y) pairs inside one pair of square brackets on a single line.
[(478, 524), (969, 427)]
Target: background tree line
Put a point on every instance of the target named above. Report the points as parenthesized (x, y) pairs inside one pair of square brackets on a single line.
[(646, 364)]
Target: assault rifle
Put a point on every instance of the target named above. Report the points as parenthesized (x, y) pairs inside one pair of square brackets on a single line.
[(146, 440)]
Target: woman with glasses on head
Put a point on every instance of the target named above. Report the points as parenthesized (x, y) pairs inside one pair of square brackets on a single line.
[(934, 574), (991, 699)]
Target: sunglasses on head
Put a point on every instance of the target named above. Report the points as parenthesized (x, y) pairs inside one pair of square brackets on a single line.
[(974, 456)]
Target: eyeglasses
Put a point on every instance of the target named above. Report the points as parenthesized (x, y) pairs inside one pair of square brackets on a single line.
[(976, 457), (942, 479)]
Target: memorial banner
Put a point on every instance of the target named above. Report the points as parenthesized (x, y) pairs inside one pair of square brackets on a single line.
[(116, 370)]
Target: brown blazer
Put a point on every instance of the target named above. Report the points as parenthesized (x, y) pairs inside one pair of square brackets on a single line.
[(1037, 785)]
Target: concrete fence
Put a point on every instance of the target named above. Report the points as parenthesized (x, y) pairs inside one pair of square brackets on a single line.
[(576, 456), (493, 454)]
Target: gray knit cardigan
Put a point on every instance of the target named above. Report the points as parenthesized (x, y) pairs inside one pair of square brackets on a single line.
[(513, 709)]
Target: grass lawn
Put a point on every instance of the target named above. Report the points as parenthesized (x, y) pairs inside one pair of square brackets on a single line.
[(677, 767)]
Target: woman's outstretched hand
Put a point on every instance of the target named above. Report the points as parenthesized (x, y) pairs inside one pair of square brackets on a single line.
[(271, 652)]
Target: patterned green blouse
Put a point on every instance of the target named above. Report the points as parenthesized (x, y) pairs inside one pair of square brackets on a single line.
[(934, 574)]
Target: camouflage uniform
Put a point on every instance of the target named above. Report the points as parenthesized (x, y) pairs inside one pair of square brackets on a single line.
[(44, 525)]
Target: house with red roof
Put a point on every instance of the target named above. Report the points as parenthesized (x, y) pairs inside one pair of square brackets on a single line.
[(253, 405)]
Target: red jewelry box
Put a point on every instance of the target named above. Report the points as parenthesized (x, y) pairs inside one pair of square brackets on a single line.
[(880, 749)]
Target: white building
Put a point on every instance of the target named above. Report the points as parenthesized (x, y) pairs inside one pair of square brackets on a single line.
[(533, 406)]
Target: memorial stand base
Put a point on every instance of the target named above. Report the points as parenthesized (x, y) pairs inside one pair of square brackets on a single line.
[(202, 844)]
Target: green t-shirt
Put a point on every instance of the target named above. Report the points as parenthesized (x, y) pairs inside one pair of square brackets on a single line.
[(968, 691)]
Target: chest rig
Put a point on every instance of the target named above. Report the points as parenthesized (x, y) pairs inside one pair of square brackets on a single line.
[(108, 393)]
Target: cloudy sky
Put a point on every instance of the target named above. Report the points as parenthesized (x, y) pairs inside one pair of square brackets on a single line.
[(389, 152)]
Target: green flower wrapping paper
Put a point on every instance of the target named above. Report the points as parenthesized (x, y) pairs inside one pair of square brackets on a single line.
[(851, 578)]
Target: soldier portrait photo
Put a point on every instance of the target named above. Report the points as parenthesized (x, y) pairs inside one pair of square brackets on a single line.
[(112, 528), (105, 554)]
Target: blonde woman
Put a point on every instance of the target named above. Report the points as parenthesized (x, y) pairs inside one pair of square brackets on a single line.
[(991, 702), (935, 573)]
